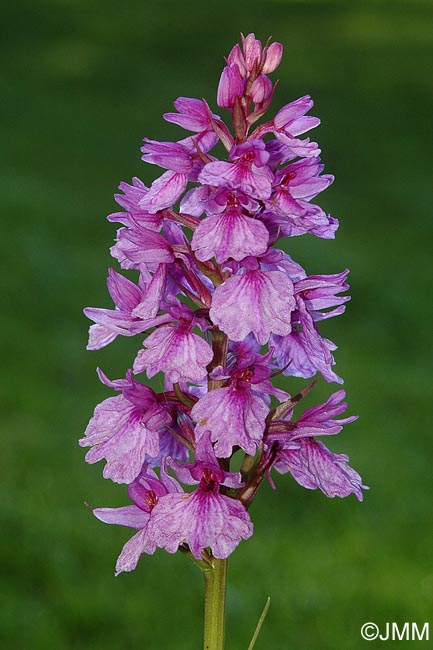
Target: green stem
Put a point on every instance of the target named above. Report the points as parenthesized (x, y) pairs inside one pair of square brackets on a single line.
[(215, 579)]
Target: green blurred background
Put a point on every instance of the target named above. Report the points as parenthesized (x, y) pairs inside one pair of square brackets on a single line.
[(81, 83)]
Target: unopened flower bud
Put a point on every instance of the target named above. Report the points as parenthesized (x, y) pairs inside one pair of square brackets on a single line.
[(272, 57), (252, 50), (261, 89), (237, 57), (186, 426), (231, 85)]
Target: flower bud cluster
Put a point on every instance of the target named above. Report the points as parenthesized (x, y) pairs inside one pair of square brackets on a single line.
[(223, 310)]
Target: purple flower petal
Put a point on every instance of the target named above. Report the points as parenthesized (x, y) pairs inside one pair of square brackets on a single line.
[(169, 446), (141, 246), (99, 337), (133, 549), (117, 435), (292, 350), (133, 306), (302, 148), (170, 155), (314, 466), (129, 516), (249, 171), (201, 520), (192, 115), (123, 430), (235, 416), (134, 214), (194, 201), (254, 181), (311, 220), (292, 111), (148, 305), (316, 421), (178, 352), (319, 292), (124, 293), (255, 301), (231, 234), (320, 420), (111, 319), (164, 191)]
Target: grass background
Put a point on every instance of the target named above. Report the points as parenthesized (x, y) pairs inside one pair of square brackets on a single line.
[(82, 82)]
